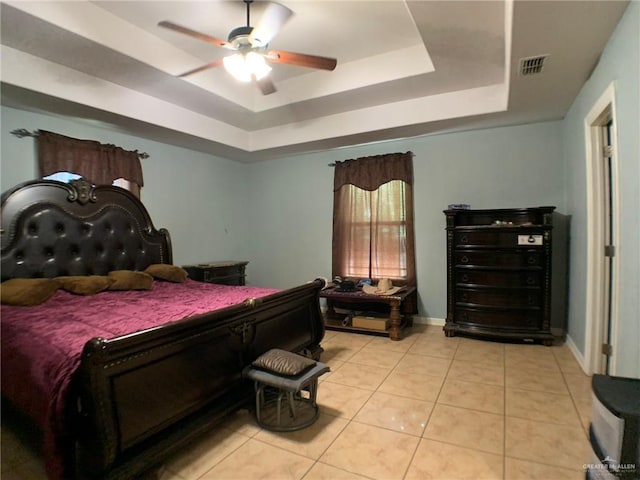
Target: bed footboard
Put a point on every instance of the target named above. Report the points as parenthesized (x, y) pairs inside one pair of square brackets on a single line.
[(143, 395)]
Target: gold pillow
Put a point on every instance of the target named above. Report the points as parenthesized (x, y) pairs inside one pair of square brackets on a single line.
[(84, 284), (130, 280), (170, 273), (27, 291)]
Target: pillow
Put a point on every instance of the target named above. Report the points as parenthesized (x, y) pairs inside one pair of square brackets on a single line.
[(27, 291), (84, 284), (283, 362), (130, 280), (170, 273)]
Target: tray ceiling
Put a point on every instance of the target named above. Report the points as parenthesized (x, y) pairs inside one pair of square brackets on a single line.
[(405, 68)]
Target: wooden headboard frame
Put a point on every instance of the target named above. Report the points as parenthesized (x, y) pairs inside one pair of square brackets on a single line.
[(50, 229)]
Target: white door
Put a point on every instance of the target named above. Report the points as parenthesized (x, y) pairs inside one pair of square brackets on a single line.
[(602, 210)]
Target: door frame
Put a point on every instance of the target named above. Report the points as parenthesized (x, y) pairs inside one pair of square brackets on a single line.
[(603, 110)]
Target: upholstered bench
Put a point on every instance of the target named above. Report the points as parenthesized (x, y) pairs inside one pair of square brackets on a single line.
[(278, 374)]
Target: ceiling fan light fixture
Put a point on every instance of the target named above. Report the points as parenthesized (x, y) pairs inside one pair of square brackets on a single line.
[(245, 66), (251, 44)]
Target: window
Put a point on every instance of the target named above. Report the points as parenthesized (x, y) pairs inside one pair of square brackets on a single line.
[(377, 231), (66, 177), (373, 219)]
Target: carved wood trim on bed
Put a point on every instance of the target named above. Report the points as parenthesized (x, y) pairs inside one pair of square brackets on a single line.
[(51, 229), (191, 368)]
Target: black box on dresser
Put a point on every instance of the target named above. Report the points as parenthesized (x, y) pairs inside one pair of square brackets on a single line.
[(507, 273)]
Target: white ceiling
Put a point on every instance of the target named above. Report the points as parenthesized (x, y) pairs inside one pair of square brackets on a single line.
[(405, 68)]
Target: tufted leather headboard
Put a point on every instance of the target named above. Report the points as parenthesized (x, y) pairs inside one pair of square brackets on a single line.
[(51, 229)]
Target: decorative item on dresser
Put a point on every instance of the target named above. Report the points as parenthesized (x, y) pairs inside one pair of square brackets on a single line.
[(227, 272), (507, 273)]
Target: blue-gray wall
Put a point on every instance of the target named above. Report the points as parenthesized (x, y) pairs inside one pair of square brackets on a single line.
[(277, 214), (619, 63)]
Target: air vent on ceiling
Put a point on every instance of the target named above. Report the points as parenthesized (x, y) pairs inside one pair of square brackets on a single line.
[(532, 65)]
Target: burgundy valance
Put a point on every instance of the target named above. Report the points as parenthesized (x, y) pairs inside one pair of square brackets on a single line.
[(97, 162), (368, 173)]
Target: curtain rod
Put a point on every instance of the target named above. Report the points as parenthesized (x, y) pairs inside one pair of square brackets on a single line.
[(23, 132)]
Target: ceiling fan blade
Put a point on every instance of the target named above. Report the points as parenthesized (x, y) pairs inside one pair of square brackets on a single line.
[(273, 19), (204, 67), (302, 60), (265, 85), (192, 33)]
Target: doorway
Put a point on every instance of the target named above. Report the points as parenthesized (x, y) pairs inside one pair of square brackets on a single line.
[(602, 208)]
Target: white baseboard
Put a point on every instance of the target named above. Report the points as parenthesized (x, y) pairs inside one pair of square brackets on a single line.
[(428, 320), (576, 353)]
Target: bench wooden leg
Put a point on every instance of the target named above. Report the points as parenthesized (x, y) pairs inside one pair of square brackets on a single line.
[(395, 330)]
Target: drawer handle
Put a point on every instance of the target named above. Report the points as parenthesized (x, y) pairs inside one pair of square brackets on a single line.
[(465, 278), (531, 281), (464, 297), (464, 259), (464, 239), (532, 301), (532, 260), (531, 239)]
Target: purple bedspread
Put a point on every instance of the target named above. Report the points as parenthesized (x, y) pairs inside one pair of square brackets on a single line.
[(42, 345)]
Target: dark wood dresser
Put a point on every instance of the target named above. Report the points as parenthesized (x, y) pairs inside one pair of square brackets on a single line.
[(225, 272), (507, 273)]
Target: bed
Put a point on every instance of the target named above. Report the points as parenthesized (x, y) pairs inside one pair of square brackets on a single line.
[(119, 380)]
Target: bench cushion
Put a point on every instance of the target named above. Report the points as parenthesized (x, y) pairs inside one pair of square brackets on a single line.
[(282, 362)]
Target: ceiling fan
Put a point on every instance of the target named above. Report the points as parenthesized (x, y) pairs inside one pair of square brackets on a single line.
[(251, 47)]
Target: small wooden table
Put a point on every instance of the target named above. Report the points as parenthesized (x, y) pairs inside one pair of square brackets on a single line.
[(399, 307)]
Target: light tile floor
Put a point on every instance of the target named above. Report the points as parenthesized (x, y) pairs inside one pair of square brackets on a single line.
[(426, 407)]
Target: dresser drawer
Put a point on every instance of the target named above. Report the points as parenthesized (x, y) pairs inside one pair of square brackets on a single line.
[(499, 278), (509, 320), (519, 298), (497, 238), (502, 258)]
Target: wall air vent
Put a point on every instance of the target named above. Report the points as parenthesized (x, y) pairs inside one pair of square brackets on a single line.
[(532, 65)]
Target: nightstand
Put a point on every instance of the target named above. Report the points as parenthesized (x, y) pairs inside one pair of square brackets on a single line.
[(226, 272)]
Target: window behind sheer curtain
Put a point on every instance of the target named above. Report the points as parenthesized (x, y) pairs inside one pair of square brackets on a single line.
[(373, 219)]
